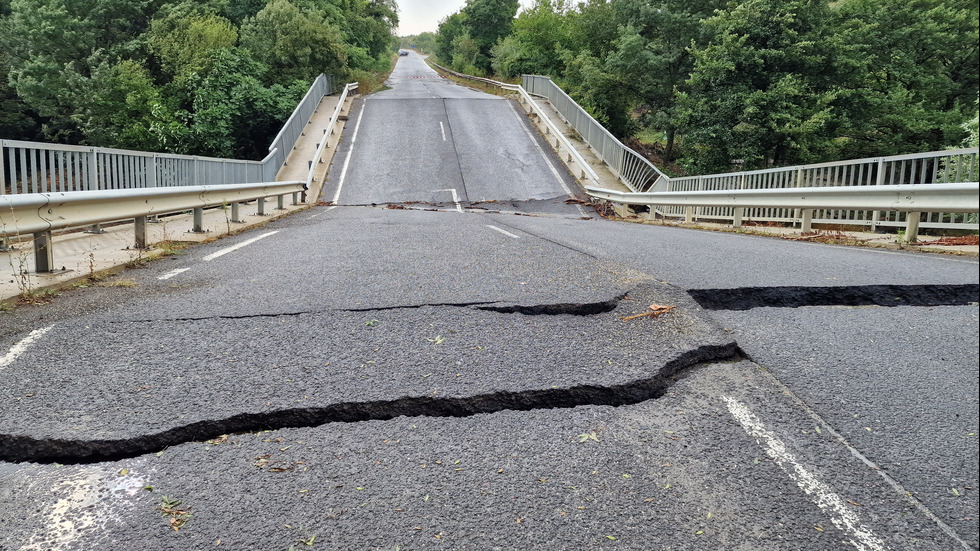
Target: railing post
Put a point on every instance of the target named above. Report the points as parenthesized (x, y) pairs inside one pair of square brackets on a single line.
[(139, 225), (43, 252), (738, 213), (807, 223), (880, 180), (911, 227), (798, 214), (93, 166), (151, 170), (198, 220)]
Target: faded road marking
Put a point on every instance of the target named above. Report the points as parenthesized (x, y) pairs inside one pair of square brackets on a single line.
[(22, 346), (845, 520), (173, 273), (505, 232), (234, 248), (350, 153)]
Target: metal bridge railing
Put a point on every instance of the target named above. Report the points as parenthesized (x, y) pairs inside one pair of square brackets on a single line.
[(960, 165), (635, 171), (32, 167)]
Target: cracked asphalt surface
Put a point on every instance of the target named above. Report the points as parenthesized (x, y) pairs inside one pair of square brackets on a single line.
[(367, 378)]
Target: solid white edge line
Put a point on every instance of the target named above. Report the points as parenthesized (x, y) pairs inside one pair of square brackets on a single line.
[(505, 232), (234, 248), (350, 153), (19, 348), (173, 273), (860, 536), (546, 159), (899, 489)]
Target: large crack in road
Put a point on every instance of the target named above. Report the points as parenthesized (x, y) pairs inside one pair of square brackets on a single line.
[(19, 448)]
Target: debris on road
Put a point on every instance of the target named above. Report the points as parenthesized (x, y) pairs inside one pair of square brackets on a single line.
[(656, 310)]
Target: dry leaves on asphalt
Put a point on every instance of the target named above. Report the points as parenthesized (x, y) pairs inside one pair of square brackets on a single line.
[(656, 310)]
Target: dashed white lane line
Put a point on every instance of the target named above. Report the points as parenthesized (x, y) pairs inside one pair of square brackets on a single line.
[(350, 153), (443, 128), (459, 208), (19, 348), (505, 232), (859, 535), (234, 248), (172, 273)]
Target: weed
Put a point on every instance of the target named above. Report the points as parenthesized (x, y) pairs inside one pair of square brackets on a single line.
[(127, 283), (37, 296), (172, 248)]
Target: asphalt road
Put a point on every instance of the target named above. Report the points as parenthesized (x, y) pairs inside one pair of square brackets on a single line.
[(444, 377)]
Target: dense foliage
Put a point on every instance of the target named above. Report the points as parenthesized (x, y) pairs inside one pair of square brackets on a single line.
[(209, 77), (743, 83)]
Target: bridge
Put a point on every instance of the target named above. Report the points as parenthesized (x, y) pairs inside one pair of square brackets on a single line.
[(450, 351)]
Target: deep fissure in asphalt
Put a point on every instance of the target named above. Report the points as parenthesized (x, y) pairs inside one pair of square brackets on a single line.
[(19, 448), (746, 298)]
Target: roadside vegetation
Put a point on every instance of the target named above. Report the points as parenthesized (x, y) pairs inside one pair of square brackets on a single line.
[(205, 77), (712, 85)]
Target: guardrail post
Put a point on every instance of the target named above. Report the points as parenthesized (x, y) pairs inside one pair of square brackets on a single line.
[(198, 220), (280, 200), (880, 180), (43, 252), (911, 227), (689, 214), (807, 223), (235, 214), (139, 225), (260, 203), (295, 199), (93, 166), (739, 212)]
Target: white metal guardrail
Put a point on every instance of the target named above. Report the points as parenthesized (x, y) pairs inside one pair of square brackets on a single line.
[(294, 126), (634, 170), (41, 213), (32, 167), (932, 168), (325, 142)]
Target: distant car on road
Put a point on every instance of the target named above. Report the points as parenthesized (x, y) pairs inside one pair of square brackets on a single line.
[(403, 52)]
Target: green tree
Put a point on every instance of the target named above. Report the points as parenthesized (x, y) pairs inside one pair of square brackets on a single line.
[(652, 59), (294, 43), (534, 46), (183, 43), (450, 27), (487, 22), (122, 108), (912, 73), (763, 88)]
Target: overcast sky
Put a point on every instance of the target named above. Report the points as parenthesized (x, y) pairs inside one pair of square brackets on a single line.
[(416, 16)]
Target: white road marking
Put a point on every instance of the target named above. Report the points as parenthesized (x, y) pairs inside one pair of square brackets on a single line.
[(459, 208), (169, 275), (829, 502), (234, 248), (505, 232), (350, 153), (19, 348), (443, 128)]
